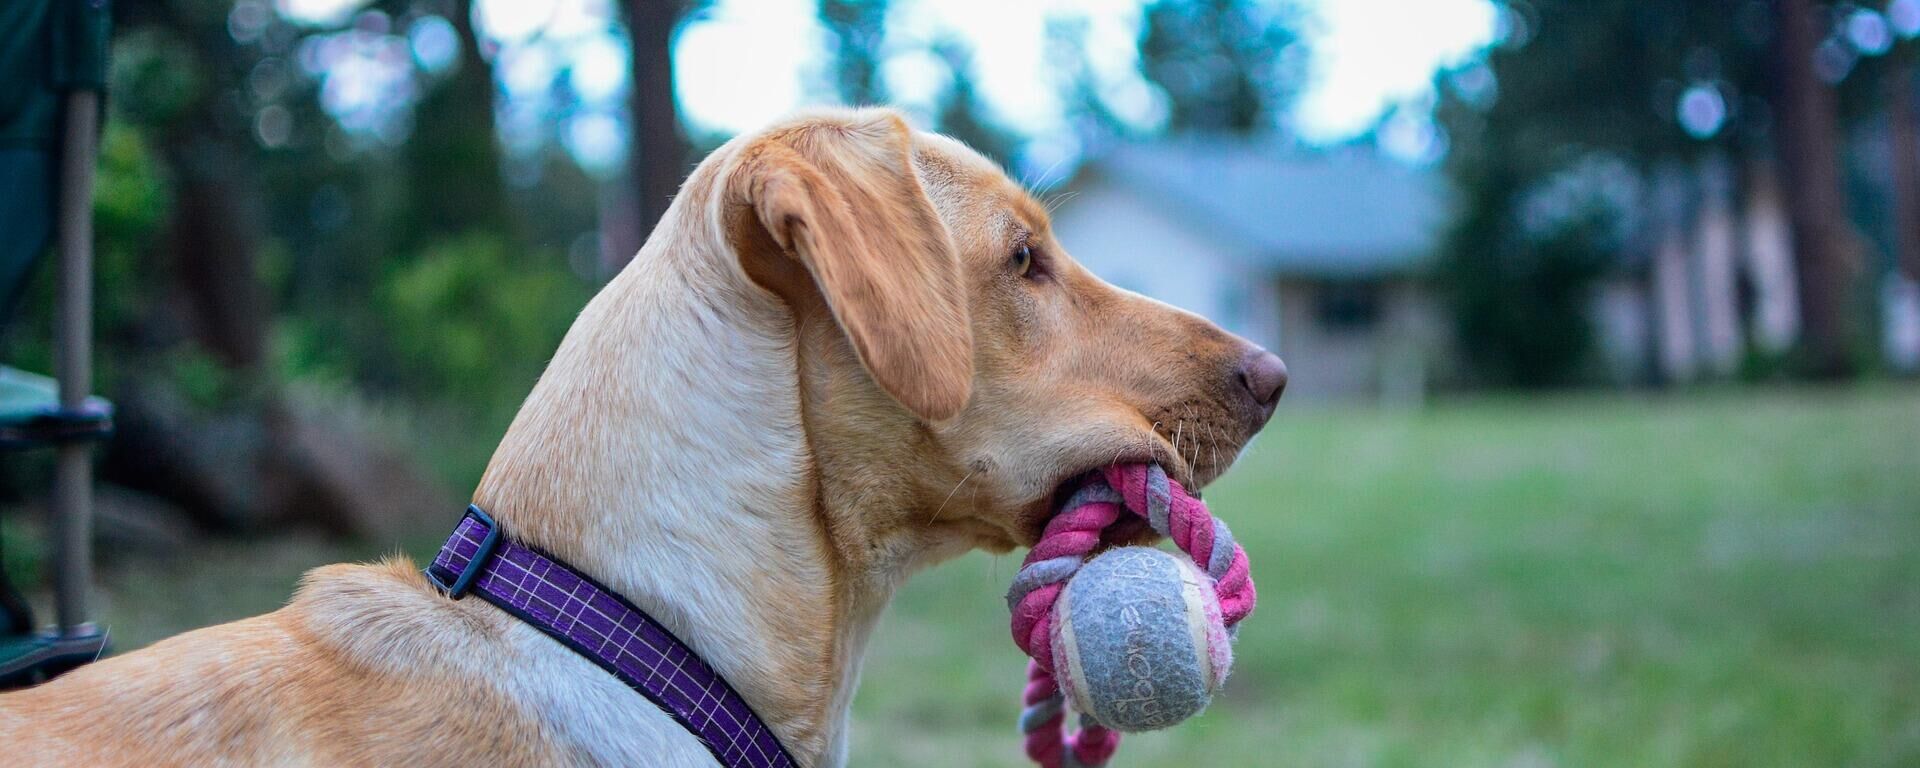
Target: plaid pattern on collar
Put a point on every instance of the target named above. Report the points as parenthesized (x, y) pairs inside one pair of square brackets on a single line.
[(599, 624)]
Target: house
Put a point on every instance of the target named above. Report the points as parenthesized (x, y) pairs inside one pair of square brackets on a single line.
[(1317, 256)]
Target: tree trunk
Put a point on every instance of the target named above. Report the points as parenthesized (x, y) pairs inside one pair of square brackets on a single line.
[(214, 240), (1809, 149), (657, 153), (1903, 134), (453, 155)]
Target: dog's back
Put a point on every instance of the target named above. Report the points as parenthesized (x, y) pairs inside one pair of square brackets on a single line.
[(277, 689)]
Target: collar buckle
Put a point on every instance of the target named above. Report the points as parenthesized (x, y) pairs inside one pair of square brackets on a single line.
[(463, 581)]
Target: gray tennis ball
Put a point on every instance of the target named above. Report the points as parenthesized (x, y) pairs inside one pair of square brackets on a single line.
[(1138, 643)]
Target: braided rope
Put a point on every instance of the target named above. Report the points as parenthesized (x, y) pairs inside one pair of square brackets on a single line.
[(1069, 539)]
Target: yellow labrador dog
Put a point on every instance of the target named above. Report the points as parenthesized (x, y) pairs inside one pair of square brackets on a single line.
[(849, 351)]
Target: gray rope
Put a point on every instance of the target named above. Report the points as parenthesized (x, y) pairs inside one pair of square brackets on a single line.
[(1159, 499), (1222, 555), (1040, 574), (1035, 717), (1093, 492)]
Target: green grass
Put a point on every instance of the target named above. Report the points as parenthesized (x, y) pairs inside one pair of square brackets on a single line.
[(1717, 580)]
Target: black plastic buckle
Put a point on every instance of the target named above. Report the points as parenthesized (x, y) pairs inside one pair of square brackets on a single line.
[(488, 544)]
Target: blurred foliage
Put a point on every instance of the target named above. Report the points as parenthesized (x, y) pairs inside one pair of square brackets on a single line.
[(472, 322), (431, 269), (962, 115), (131, 202), (1520, 303), (274, 282), (1225, 65), (1658, 87), (424, 290), (860, 45), (156, 79), (25, 555), (858, 29), (1573, 82)]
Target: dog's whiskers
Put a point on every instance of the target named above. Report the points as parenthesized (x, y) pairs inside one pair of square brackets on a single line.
[(956, 489), (1178, 433), (1213, 448), (1044, 178), (1193, 455), (1193, 462)]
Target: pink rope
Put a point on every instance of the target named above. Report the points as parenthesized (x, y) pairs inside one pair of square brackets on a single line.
[(1069, 539)]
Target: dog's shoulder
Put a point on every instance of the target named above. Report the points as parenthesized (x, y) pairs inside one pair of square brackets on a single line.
[(385, 614), (383, 622)]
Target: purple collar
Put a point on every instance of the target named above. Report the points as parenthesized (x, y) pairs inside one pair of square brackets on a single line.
[(599, 624)]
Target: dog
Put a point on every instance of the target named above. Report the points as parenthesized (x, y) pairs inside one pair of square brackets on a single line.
[(850, 350)]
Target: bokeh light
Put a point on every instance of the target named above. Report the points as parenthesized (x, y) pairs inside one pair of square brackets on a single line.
[(1702, 110), (1868, 31), (435, 43), (562, 67), (722, 88), (318, 13), (1904, 17), (511, 21)]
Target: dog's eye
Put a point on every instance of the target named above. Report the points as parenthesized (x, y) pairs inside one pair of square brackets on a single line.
[(1022, 260)]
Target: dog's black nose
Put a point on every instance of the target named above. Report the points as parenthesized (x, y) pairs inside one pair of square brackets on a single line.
[(1264, 376)]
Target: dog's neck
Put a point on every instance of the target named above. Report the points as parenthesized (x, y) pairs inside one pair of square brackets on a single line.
[(666, 453)]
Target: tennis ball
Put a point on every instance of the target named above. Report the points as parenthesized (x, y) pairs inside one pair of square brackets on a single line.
[(1138, 643)]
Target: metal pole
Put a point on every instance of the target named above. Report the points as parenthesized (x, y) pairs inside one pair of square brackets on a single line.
[(73, 481)]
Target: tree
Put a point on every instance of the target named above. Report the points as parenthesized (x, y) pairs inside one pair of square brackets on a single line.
[(206, 126), (1223, 64), (1574, 86), (962, 115), (1903, 137), (859, 31), (452, 155), (657, 153), (215, 233), (1809, 149), (858, 27), (1653, 84)]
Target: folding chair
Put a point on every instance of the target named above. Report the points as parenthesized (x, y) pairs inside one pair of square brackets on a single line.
[(52, 79)]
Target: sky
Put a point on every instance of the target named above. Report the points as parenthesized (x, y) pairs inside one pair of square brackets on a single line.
[(1368, 54), (1371, 54), (746, 62)]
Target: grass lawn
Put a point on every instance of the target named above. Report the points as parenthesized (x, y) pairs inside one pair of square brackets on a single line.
[(1717, 580), (1720, 579)]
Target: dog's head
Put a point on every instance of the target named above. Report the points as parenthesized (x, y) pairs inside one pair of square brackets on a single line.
[(954, 359)]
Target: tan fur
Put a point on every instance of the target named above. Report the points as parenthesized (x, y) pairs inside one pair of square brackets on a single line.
[(819, 376), (843, 199)]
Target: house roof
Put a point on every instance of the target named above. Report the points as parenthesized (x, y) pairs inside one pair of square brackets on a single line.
[(1287, 210)]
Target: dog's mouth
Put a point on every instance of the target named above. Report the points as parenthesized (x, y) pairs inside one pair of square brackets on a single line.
[(1194, 471), (1130, 529)]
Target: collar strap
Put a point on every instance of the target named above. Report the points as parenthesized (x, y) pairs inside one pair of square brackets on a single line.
[(602, 626)]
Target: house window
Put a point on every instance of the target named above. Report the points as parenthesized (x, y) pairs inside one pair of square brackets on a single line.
[(1347, 305)]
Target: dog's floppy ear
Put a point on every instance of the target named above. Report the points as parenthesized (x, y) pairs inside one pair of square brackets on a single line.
[(839, 195)]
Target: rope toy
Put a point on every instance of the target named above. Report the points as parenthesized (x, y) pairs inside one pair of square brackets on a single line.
[(1143, 635)]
